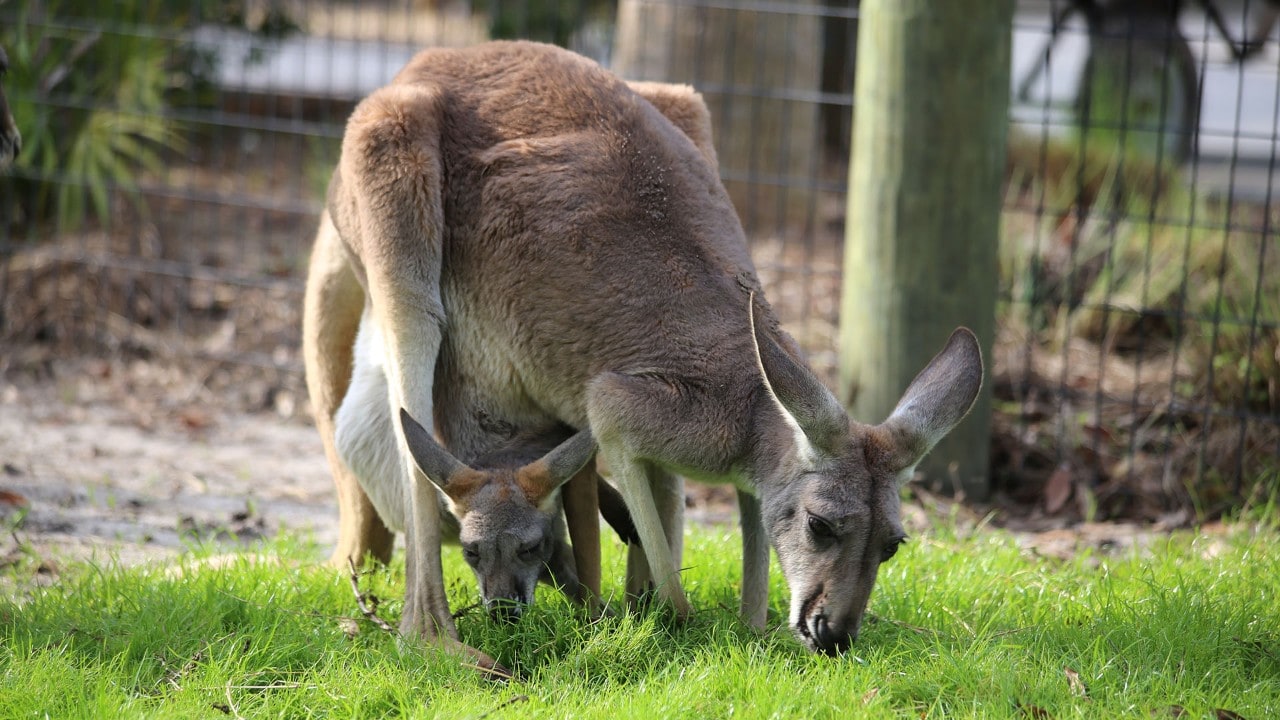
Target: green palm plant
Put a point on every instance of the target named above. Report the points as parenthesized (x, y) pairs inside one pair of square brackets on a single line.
[(89, 99), (92, 85)]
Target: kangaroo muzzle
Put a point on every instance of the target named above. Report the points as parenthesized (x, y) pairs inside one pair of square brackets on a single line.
[(829, 638), (506, 610)]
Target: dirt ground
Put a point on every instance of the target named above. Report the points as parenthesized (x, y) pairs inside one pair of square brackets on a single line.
[(89, 472)]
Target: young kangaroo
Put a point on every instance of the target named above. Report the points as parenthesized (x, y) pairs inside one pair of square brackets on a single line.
[(10, 139), (504, 509), (538, 242), (505, 512)]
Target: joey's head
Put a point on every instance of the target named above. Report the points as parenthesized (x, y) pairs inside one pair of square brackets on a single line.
[(507, 515), (829, 492)]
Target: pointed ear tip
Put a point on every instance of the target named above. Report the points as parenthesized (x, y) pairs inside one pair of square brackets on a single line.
[(407, 421), (966, 340), (963, 334)]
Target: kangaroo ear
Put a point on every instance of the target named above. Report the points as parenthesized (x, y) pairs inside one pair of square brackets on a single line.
[(435, 462), (935, 402), (542, 477), (799, 394)]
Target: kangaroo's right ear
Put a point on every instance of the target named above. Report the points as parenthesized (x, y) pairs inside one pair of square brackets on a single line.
[(434, 461)]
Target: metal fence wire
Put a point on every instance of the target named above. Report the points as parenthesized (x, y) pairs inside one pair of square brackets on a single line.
[(175, 159)]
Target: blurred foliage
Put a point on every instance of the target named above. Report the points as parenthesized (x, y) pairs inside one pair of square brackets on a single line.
[(1164, 302), (1139, 90), (92, 86), (552, 21)]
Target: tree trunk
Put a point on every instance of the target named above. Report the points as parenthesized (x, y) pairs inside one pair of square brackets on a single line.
[(931, 105)]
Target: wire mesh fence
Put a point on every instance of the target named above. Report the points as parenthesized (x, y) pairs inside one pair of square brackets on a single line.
[(175, 159)]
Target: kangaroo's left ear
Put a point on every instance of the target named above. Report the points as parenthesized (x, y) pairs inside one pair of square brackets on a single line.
[(444, 470), (545, 475)]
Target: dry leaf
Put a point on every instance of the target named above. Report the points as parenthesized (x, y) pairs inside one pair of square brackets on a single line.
[(349, 627), (1077, 686), (8, 497), (1222, 714), (870, 695), (193, 418), (1057, 490)]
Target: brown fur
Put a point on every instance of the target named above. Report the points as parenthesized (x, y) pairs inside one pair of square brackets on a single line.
[(542, 244)]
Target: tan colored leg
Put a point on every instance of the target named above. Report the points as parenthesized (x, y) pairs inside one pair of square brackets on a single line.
[(331, 316), (644, 487), (755, 562), (390, 213), (582, 515)]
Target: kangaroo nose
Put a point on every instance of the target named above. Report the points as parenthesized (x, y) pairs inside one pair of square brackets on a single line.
[(829, 640), (505, 610)]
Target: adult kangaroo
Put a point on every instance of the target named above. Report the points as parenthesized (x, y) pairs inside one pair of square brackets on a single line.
[(10, 138), (538, 242)]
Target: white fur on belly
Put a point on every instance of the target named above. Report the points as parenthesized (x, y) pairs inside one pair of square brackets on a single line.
[(365, 436)]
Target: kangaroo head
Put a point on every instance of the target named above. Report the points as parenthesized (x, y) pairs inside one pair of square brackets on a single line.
[(508, 515), (830, 500)]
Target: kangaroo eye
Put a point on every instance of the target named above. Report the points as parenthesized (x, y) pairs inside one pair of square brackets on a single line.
[(891, 547), (471, 554), (821, 529), (529, 553)]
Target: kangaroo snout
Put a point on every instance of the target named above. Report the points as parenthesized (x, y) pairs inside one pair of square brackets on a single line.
[(825, 634), (830, 639), (827, 617), (507, 610)]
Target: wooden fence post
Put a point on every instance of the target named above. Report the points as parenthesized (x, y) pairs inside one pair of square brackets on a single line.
[(931, 108)]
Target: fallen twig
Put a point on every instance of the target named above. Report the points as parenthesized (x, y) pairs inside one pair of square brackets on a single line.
[(369, 612), (497, 673), (231, 704), (504, 703)]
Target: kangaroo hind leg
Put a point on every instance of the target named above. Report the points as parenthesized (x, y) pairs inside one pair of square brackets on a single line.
[(387, 204), (332, 308)]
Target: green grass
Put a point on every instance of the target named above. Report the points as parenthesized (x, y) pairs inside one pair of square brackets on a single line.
[(960, 627)]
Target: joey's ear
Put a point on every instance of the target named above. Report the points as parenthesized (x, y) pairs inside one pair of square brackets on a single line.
[(434, 461), (801, 396), (935, 402), (540, 478)]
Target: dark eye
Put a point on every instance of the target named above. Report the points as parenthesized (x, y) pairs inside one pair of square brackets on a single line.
[(529, 552), (471, 554), (891, 547), (821, 529)]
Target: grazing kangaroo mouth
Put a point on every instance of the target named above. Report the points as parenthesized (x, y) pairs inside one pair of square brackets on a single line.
[(806, 611)]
